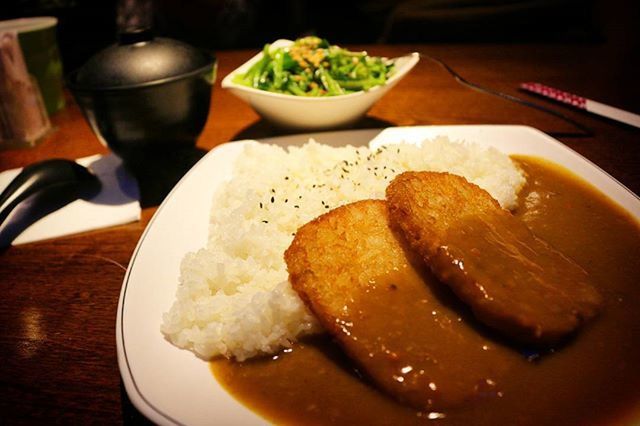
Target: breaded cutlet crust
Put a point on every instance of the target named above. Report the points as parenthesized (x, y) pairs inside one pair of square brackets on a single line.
[(513, 281), (425, 216), (347, 245), (399, 325)]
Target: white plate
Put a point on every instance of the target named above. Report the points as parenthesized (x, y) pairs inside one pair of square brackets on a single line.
[(314, 112), (173, 386)]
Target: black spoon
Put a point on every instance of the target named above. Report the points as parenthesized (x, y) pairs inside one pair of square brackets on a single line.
[(60, 180)]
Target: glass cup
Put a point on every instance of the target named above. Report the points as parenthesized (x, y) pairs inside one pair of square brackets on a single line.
[(39, 45), (23, 118), (30, 80)]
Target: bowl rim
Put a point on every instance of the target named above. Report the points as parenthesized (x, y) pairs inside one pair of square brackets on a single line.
[(28, 24), (73, 85), (228, 83)]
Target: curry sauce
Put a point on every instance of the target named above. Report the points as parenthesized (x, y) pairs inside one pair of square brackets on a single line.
[(591, 379)]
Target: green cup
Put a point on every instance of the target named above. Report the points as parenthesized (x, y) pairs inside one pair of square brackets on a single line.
[(37, 37)]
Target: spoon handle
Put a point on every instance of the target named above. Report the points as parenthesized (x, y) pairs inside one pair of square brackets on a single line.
[(54, 176)]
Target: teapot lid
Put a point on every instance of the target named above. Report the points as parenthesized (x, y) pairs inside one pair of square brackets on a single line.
[(139, 58)]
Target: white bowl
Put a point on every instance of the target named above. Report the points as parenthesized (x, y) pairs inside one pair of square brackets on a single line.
[(314, 113)]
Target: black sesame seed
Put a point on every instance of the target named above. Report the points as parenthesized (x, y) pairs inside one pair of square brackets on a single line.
[(260, 204), (272, 199), (265, 221)]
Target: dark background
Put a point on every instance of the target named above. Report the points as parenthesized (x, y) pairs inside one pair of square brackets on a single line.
[(86, 26)]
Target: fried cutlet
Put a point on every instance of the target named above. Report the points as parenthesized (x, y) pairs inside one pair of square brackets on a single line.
[(404, 330), (513, 281)]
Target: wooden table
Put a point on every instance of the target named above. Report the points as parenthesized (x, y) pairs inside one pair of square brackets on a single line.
[(57, 315)]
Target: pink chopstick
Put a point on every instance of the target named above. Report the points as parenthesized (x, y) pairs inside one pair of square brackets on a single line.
[(583, 103)]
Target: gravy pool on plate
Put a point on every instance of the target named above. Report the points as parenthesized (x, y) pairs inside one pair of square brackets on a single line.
[(592, 379)]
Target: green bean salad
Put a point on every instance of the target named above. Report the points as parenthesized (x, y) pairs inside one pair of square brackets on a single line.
[(313, 67)]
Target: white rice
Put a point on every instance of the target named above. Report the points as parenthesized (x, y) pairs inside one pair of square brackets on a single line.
[(234, 298)]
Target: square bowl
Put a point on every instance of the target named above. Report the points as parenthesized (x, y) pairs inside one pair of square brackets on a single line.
[(314, 112)]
